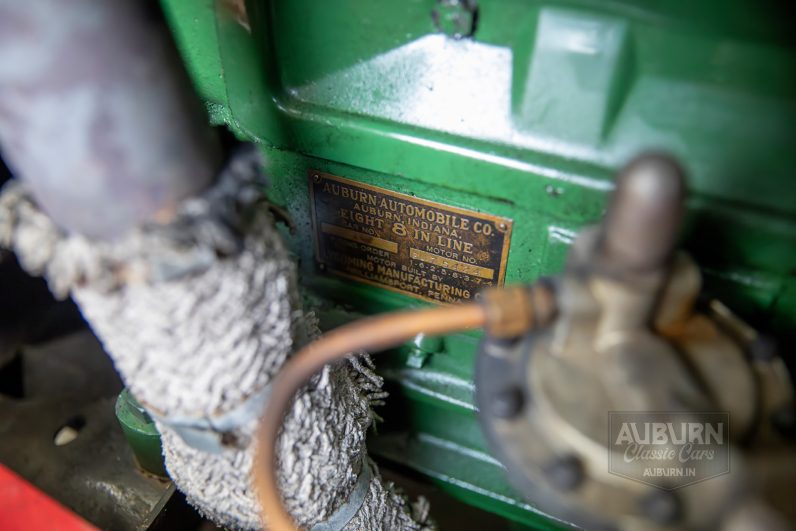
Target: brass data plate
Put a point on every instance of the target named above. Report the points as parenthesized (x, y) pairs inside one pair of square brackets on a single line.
[(402, 243)]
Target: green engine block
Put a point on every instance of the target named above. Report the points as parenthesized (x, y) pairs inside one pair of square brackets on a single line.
[(515, 108)]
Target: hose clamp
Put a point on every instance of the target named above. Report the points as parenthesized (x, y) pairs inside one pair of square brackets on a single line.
[(211, 434), (343, 515)]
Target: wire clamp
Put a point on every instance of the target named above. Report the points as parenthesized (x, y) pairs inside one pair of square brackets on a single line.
[(343, 515), (211, 434)]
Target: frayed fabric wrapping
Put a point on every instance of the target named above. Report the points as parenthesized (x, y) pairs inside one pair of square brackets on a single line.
[(199, 315)]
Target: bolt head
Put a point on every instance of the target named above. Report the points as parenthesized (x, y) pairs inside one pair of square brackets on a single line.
[(455, 18), (507, 403), (417, 358), (565, 473), (763, 348), (662, 507)]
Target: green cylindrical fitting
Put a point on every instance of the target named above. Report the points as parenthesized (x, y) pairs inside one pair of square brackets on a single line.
[(141, 433)]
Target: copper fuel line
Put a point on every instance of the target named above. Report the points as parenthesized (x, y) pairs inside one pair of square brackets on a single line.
[(505, 312)]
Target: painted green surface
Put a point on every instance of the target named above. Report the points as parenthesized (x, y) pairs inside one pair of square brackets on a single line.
[(141, 434), (193, 26), (528, 119)]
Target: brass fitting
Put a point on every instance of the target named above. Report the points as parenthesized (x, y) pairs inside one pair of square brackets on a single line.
[(512, 311)]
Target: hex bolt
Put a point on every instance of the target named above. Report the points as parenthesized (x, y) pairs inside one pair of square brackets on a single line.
[(565, 473), (456, 18), (763, 348), (423, 347), (662, 507), (507, 403), (429, 344), (417, 358)]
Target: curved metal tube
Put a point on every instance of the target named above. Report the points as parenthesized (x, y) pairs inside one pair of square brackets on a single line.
[(374, 333), (97, 114)]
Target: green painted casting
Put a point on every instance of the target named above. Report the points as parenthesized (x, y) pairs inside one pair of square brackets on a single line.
[(141, 434), (529, 118)]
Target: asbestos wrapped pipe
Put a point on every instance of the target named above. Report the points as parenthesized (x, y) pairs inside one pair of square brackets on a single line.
[(199, 315), (189, 287)]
